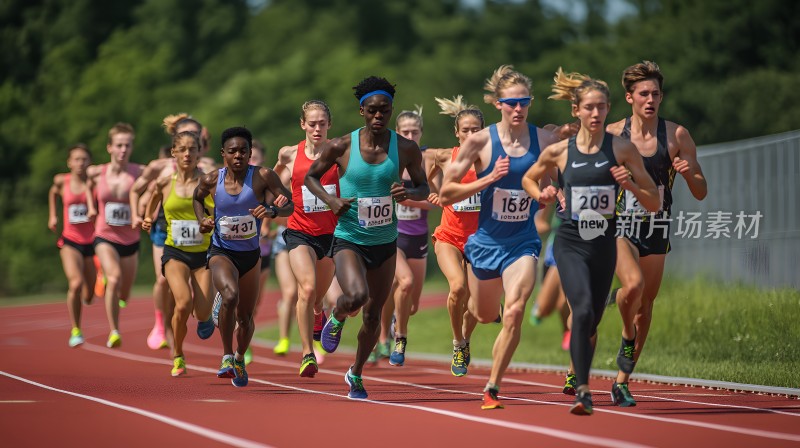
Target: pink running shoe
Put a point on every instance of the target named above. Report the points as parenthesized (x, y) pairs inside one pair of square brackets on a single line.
[(565, 341)]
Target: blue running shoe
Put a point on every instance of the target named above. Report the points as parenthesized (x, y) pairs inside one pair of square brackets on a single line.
[(215, 309), (226, 369), (331, 334), (398, 356), (240, 380), (206, 328), (357, 391)]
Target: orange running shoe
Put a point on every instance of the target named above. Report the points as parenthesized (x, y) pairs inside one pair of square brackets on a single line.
[(490, 400)]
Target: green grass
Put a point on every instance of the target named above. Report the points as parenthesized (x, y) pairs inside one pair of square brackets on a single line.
[(700, 329)]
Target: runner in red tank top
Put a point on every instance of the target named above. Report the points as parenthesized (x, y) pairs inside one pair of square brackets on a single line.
[(116, 241), (459, 221), (310, 229), (75, 243)]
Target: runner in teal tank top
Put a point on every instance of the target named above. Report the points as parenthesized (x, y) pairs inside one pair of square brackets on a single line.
[(364, 248)]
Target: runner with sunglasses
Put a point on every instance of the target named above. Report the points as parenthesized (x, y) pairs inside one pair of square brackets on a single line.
[(504, 249)]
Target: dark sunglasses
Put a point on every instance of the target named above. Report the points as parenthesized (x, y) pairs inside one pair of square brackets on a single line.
[(512, 102)]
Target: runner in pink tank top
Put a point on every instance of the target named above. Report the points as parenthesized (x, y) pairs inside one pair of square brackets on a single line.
[(116, 240), (75, 243)]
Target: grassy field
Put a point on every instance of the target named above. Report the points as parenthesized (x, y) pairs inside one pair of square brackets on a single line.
[(701, 330)]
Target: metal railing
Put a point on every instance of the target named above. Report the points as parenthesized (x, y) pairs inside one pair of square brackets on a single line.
[(746, 178)]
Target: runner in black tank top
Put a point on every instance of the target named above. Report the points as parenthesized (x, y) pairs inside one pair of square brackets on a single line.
[(659, 166), (591, 166), (668, 149)]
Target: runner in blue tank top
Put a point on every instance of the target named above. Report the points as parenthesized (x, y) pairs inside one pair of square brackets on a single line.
[(504, 250), (241, 194), (592, 166), (370, 161), (668, 150)]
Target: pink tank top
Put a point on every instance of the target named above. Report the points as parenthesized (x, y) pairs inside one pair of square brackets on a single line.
[(77, 226), (113, 221)]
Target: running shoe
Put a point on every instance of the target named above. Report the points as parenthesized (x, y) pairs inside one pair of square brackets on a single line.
[(309, 366), (319, 322), (373, 355), (100, 280), (625, 360), (331, 334), (205, 328), (123, 303), (76, 337), (490, 400), (282, 348), (621, 396), (319, 352), (467, 357), (178, 366), (226, 369), (459, 366), (499, 319), (114, 339), (357, 391), (240, 374), (398, 356), (534, 318), (383, 350), (565, 340), (215, 306), (248, 356), (570, 384), (157, 339), (583, 404)]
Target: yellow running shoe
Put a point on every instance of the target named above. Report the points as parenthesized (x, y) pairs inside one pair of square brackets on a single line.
[(282, 348), (114, 340), (248, 356), (179, 366), (75, 338)]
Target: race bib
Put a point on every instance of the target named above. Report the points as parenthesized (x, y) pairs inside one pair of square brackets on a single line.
[(186, 233), (510, 205), (406, 213), (470, 204), (313, 204), (78, 213), (375, 212), (237, 227), (118, 214), (633, 207), (597, 198)]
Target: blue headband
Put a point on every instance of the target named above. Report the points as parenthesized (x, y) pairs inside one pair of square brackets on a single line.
[(373, 93)]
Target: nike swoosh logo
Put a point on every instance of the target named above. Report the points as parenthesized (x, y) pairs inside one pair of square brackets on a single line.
[(423, 247), (598, 165), (578, 165)]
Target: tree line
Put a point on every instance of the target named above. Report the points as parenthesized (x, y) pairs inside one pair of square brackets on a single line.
[(70, 70)]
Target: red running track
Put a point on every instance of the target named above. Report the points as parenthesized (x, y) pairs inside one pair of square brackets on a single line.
[(52, 395)]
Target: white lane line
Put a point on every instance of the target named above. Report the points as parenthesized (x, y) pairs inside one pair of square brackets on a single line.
[(714, 426), (565, 435), (17, 401), (653, 397), (189, 427)]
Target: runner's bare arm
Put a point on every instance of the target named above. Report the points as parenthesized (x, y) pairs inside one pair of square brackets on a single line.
[(452, 189), (411, 157), (55, 190), (638, 182), (532, 180), (332, 151), (206, 186), (686, 164)]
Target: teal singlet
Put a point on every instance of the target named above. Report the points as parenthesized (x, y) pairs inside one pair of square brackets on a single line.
[(370, 221)]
